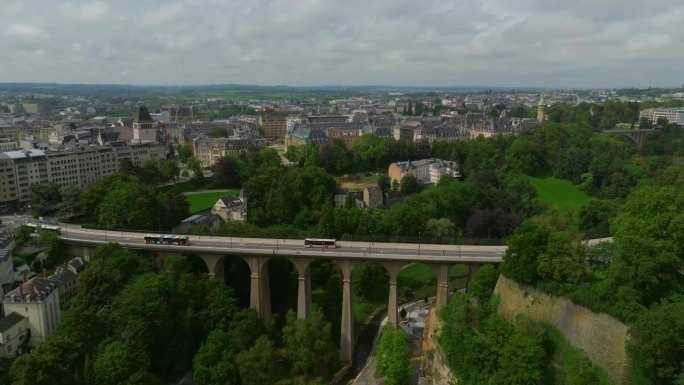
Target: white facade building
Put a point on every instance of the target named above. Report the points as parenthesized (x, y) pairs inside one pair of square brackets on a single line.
[(13, 331), (38, 301), (427, 171)]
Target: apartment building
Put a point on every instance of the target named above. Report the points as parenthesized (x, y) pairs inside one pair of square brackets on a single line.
[(274, 126), (673, 115), (209, 150), (77, 167)]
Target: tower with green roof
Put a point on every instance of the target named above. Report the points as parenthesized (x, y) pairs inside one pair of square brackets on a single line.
[(541, 109)]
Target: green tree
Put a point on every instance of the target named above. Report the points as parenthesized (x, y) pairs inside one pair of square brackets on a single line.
[(410, 184), (522, 361), (649, 249), (440, 228), (93, 195), (524, 156), (119, 363), (215, 362), (484, 282), (142, 313), (54, 361), (309, 343), (259, 364), (563, 259), (393, 361), (370, 278), (371, 150), (70, 204), (185, 152), (44, 199), (111, 268), (227, 171), (527, 242), (139, 203), (169, 169), (656, 346), (385, 184)]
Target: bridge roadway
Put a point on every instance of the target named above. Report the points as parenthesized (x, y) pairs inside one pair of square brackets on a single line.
[(376, 251), (257, 251)]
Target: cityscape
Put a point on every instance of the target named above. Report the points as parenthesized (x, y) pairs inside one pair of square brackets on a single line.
[(319, 193)]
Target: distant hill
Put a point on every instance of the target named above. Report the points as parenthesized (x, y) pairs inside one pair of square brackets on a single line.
[(119, 89)]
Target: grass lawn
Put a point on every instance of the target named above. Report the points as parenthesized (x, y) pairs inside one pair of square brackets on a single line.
[(203, 201), (558, 192), (357, 182)]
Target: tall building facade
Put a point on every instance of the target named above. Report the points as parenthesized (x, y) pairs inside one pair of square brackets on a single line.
[(78, 167), (274, 126)]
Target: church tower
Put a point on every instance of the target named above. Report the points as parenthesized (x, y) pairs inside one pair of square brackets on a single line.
[(541, 109), (143, 127)]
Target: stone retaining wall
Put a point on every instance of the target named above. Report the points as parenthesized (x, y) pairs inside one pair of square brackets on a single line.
[(599, 335)]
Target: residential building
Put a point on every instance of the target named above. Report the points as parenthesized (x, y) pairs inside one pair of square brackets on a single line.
[(347, 133), (427, 171), (8, 181), (341, 197), (38, 301), (65, 277), (373, 197), (230, 209), (79, 167), (672, 115), (209, 150), (6, 263), (14, 329), (275, 126)]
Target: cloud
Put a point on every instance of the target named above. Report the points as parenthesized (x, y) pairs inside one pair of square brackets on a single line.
[(583, 43), (25, 30)]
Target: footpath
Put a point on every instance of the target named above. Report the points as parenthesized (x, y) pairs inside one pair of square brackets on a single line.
[(413, 326)]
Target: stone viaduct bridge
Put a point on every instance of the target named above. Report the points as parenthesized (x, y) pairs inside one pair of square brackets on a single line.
[(257, 252)]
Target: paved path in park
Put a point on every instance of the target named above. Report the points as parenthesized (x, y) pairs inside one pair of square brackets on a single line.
[(413, 326)]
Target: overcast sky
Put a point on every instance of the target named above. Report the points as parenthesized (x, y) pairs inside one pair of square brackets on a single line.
[(535, 43)]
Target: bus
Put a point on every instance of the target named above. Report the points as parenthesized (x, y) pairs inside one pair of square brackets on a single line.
[(37, 228), (318, 242), (167, 239)]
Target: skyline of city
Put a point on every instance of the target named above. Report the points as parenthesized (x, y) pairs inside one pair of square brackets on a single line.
[(316, 43)]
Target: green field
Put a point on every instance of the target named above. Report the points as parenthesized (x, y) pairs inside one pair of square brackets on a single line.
[(203, 201), (558, 192)]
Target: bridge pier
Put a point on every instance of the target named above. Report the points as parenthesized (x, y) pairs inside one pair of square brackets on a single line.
[(87, 253), (393, 269), (304, 286), (347, 326), (472, 270), (214, 266), (259, 293), (442, 286)]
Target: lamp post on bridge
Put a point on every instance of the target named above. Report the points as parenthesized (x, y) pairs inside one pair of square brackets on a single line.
[(419, 239)]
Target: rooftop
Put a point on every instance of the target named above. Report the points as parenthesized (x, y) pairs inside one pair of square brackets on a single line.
[(7, 322)]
